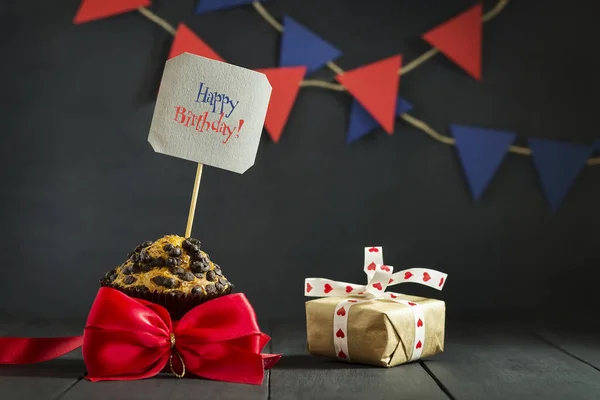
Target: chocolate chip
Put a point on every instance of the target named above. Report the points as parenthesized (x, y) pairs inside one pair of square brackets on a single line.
[(187, 276), (199, 266), (200, 275), (223, 281), (157, 262), (145, 267), (136, 269), (135, 257), (187, 245), (129, 280), (196, 266), (167, 247), (218, 272), (177, 271), (197, 290), (178, 261), (194, 241), (141, 289), (126, 270), (196, 254), (147, 243), (145, 257), (170, 262), (164, 281), (211, 276), (219, 287), (110, 275), (175, 252), (211, 289)]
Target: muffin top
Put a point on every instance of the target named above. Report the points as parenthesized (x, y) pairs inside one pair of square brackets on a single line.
[(171, 264)]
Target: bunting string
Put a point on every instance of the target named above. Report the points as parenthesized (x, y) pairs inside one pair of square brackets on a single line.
[(157, 20), (406, 117), (375, 87), (335, 68)]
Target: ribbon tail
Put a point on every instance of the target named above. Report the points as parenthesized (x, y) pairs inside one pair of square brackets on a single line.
[(16, 350), (227, 362), (147, 372), (269, 360), (238, 368)]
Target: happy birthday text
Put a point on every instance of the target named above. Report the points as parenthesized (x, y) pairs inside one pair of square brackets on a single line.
[(217, 100), (201, 123), (221, 104)]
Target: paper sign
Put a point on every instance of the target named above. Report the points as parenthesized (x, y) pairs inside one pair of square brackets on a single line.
[(210, 112)]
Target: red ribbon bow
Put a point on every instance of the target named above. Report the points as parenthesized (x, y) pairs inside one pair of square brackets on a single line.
[(128, 339)]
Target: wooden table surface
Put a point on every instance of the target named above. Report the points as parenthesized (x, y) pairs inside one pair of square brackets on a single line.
[(481, 361)]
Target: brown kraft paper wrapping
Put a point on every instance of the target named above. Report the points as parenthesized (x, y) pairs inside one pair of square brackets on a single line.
[(380, 332)]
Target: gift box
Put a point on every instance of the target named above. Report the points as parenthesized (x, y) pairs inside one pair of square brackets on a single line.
[(368, 325)]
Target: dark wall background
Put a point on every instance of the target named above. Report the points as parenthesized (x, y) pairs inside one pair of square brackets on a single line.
[(82, 187)]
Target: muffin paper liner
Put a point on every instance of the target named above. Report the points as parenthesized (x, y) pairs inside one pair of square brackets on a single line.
[(176, 303)]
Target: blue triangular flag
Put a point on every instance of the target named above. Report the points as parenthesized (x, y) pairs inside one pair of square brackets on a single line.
[(361, 122), (300, 46), (481, 152), (558, 165), (206, 6)]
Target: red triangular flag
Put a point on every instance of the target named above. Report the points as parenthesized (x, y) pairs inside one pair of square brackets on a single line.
[(186, 41), (90, 10), (460, 40), (375, 87), (286, 84)]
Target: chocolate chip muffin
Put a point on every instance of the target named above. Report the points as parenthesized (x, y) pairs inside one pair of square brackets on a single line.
[(172, 272)]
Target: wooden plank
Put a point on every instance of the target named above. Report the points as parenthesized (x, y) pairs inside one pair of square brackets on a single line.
[(46, 380), (487, 362), (302, 376), (583, 345), (167, 386)]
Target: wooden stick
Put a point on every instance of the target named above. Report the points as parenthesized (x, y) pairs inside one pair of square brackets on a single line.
[(190, 221)]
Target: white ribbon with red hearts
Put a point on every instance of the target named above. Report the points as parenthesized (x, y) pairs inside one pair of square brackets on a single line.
[(379, 277)]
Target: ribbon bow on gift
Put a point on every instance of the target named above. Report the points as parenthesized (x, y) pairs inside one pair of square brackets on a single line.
[(379, 277), (127, 339)]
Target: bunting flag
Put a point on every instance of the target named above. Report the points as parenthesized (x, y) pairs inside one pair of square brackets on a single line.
[(481, 152), (558, 164), (285, 83), (186, 41), (361, 122), (459, 39), (375, 87), (300, 46), (207, 6), (90, 10)]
